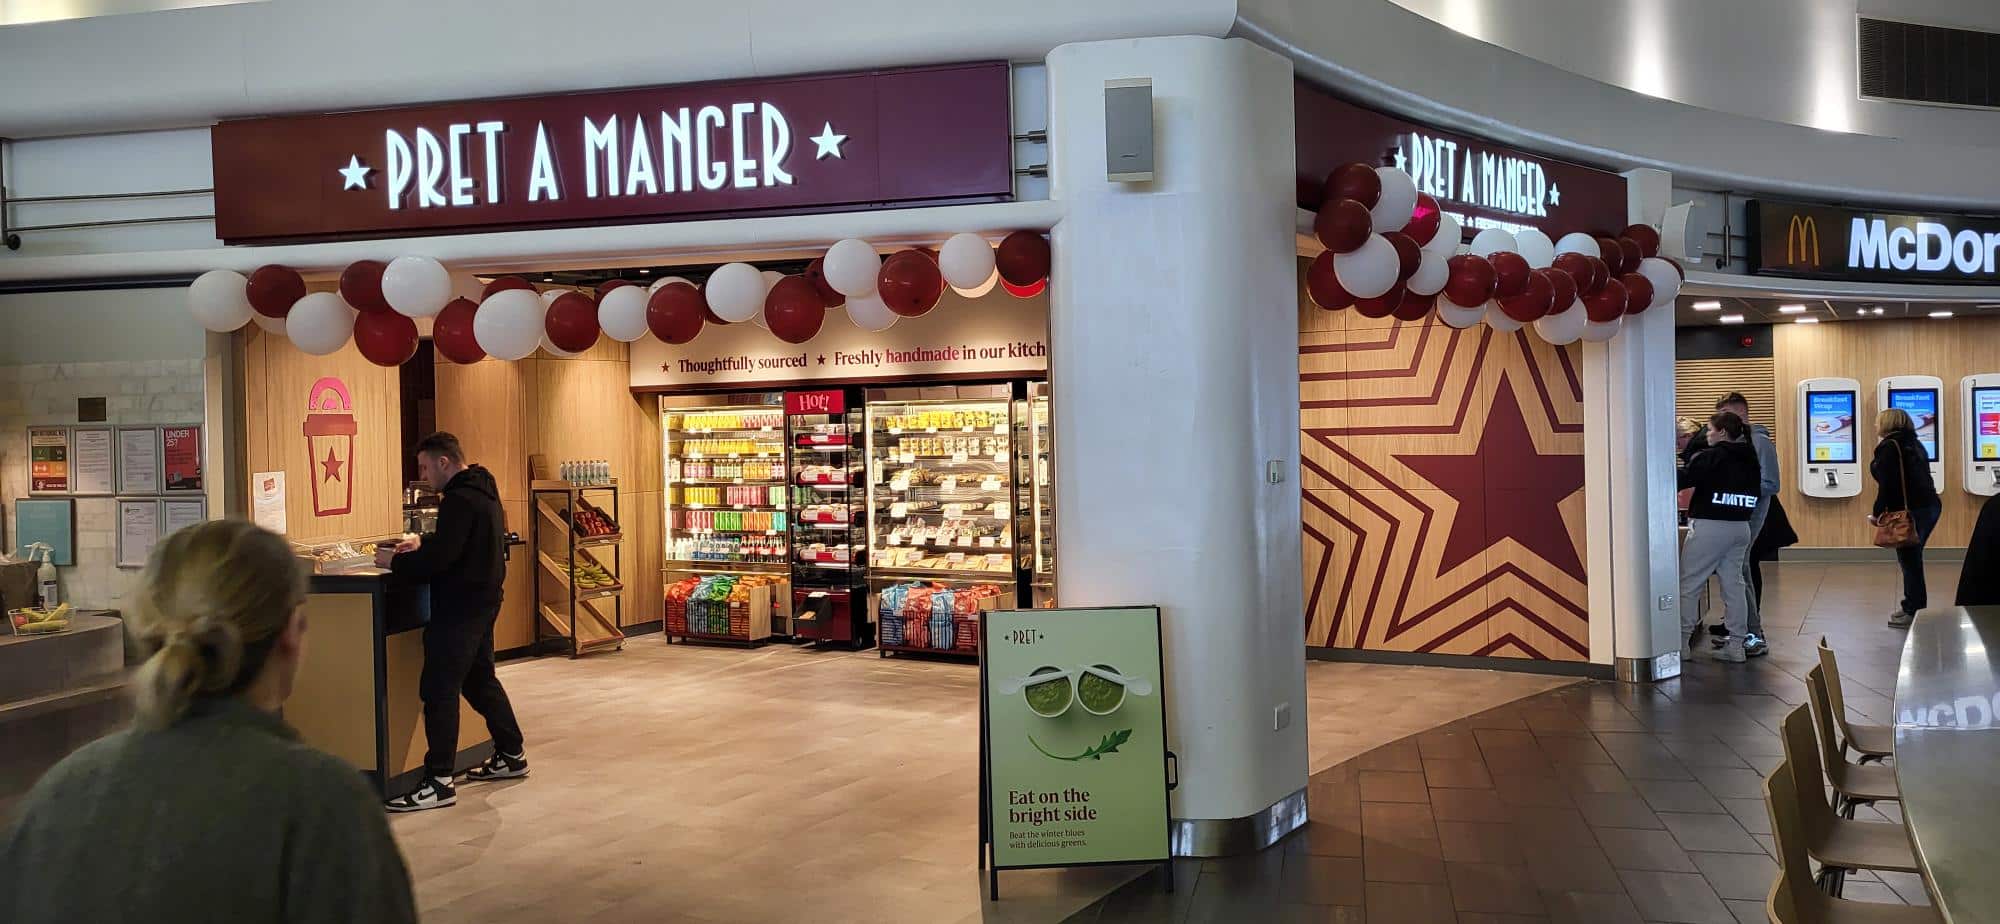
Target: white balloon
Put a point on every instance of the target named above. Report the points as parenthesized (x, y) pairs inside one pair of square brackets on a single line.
[(1447, 240), (966, 260), (622, 313), (509, 324), (219, 302), (1564, 328), (664, 280), (1666, 282), (321, 323), (269, 325), (736, 292), (1433, 271), (1456, 317), (1535, 247), (468, 287), (980, 290), (417, 287), (1579, 242), (552, 349), (1399, 201), (1600, 331), (549, 297), (869, 313), (1491, 241), (850, 267), (1498, 320), (1369, 270), (771, 278)]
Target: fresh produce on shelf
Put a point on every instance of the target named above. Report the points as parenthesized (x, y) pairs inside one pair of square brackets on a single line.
[(33, 621)]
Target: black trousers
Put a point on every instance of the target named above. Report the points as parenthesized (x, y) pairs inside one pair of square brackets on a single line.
[(458, 660)]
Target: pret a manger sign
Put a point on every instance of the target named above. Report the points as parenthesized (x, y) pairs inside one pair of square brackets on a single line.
[(1461, 172), (938, 134), (1829, 242)]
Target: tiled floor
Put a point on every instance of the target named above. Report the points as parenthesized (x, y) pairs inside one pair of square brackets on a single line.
[(1597, 803)]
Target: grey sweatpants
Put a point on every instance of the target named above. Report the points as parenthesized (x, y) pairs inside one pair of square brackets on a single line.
[(1720, 548), (1756, 618)]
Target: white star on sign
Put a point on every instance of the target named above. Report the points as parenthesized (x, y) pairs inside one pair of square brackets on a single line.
[(1555, 195), (354, 175), (1400, 159), (828, 143)]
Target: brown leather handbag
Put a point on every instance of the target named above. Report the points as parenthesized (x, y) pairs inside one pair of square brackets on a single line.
[(1893, 528)]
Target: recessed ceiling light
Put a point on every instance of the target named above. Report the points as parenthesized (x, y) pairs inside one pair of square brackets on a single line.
[(1791, 309), (645, 272), (1878, 310), (1805, 320), (1731, 319), (1708, 306), (548, 278), (1940, 314)]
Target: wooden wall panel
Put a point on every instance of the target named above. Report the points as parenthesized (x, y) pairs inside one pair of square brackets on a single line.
[(1698, 383), (278, 380), (490, 406), (515, 627), (1867, 351), (1443, 489)]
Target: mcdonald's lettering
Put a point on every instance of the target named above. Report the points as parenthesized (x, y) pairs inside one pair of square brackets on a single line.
[(1928, 248), (1878, 245), (1803, 232)]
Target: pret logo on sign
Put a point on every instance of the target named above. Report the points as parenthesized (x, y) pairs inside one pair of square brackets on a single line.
[(1450, 171)]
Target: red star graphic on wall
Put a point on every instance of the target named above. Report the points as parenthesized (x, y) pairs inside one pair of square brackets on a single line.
[(332, 465), (1505, 490)]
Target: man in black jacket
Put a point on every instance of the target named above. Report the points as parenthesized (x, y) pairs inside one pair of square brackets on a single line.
[(464, 562), (1725, 480)]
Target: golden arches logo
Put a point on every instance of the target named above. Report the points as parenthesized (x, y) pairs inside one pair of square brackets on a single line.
[(1802, 242)]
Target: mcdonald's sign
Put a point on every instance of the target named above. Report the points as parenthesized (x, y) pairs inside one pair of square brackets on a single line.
[(1830, 242)]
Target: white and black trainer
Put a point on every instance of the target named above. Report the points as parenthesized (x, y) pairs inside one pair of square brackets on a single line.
[(432, 793), (499, 767)]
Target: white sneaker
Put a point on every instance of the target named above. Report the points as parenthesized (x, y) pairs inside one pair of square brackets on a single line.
[(432, 793), (1732, 652)]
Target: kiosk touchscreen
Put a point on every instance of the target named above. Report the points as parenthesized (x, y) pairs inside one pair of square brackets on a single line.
[(1922, 397), (1980, 397), (1830, 437)]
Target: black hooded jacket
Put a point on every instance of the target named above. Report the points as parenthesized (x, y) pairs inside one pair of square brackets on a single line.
[(1725, 481), (463, 560)]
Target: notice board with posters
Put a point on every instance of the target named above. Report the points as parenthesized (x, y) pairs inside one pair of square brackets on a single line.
[(1073, 722)]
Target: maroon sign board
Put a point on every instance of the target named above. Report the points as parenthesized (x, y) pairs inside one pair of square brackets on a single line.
[(1484, 184), (915, 136)]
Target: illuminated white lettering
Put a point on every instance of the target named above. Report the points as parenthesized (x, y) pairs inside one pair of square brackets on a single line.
[(1968, 252), (1868, 244), (397, 152), (1489, 181), (1933, 246), (430, 169), (491, 132), (741, 167), (675, 150), (713, 171), (1467, 190), (777, 144), (1992, 250), (639, 169), (1902, 248), (600, 149), (542, 173), (461, 184)]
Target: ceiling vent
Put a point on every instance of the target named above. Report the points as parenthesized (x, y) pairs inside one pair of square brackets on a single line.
[(1912, 63)]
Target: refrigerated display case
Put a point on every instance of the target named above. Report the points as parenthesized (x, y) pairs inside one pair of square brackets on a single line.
[(829, 592), (1035, 477), (725, 518)]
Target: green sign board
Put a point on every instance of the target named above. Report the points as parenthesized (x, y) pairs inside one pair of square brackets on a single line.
[(1075, 737)]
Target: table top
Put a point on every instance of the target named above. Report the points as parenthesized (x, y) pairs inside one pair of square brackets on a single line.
[(1948, 755)]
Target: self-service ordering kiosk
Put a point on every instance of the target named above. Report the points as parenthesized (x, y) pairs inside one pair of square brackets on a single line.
[(1830, 434), (1979, 396), (1922, 397)]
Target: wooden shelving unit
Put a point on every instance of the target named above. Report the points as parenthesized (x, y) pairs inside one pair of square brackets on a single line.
[(583, 617)]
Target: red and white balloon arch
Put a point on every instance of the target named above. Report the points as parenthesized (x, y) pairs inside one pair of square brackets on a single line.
[(1391, 251), (377, 303)]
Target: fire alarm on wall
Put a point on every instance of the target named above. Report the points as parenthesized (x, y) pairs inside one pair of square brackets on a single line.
[(1749, 341)]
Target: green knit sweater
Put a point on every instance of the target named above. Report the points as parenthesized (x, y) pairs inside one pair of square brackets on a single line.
[(226, 816)]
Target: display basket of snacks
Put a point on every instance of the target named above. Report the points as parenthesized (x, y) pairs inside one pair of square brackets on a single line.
[(33, 621)]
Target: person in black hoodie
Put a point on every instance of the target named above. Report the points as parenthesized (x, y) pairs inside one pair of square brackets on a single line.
[(464, 562), (1979, 580), (1902, 475), (1725, 478)]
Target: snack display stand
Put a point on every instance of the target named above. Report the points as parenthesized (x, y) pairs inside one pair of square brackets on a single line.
[(727, 516), (578, 592), (829, 596)]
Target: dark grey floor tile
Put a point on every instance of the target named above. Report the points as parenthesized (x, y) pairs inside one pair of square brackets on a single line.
[(1617, 810), (1311, 880), (1870, 892), (1478, 842), (1748, 912), (1635, 849), (1591, 908), (1594, 778), (1409, 903), (1394, 786), (1456, 774), (1677, 796), (1493, 887), (1468, 805), (1908, 886), (1710, 832), (1737, 875), (1675, 898), (1752, 814), (1731, 782)]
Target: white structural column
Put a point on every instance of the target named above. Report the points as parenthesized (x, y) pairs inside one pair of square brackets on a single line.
[(1629, 462), (1174, 365)]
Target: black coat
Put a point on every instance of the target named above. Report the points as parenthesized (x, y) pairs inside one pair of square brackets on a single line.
[(464, 560), (1891, 480), (1979, 582), (1725, 480)]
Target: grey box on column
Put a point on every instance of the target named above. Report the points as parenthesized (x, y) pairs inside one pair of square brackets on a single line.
[(1128, 130)]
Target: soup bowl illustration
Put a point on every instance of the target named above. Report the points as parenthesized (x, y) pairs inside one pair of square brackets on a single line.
[(1100, 689)]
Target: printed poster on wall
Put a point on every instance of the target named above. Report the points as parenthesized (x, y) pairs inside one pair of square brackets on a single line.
[(48, 460), (181, 513), (138, 460), (1076, 736), (267, 501), (91, 463), (138, 531), (180, 458)]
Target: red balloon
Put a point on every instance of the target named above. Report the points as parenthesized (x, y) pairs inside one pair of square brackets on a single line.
[(1576, 266), (1629, 255), (1470, 281), (675, 312), (1323, 287), (1600, 273), (1023, 258), (361, 285), (1415, 307), (572, 322), (1027, 291), (1606, 304), (609, 284), (1534, 300), (1607, 250), (1355, 181), (273, 289), (385, 337), (1407, 253), (503, 283), (1646, 236), (1425, 220), (1384, 305), (910, 284), (451, 334), (1342, 225), (816, 274), (794, 309), (1510, 273), (1564, 285), (1638, 292)]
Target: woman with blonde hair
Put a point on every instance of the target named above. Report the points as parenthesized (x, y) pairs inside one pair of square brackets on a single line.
[(1902, 473), (209, 808)]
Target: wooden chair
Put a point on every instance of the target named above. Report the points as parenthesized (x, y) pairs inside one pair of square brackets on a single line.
[(1854, 785), (1838, 843), (1793, 899), (1872, 742)]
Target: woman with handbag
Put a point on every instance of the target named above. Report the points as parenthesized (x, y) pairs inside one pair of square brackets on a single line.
[(1906, 505)]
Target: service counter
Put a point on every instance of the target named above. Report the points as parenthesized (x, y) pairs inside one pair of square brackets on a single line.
[(356, 693), (58, 692)]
